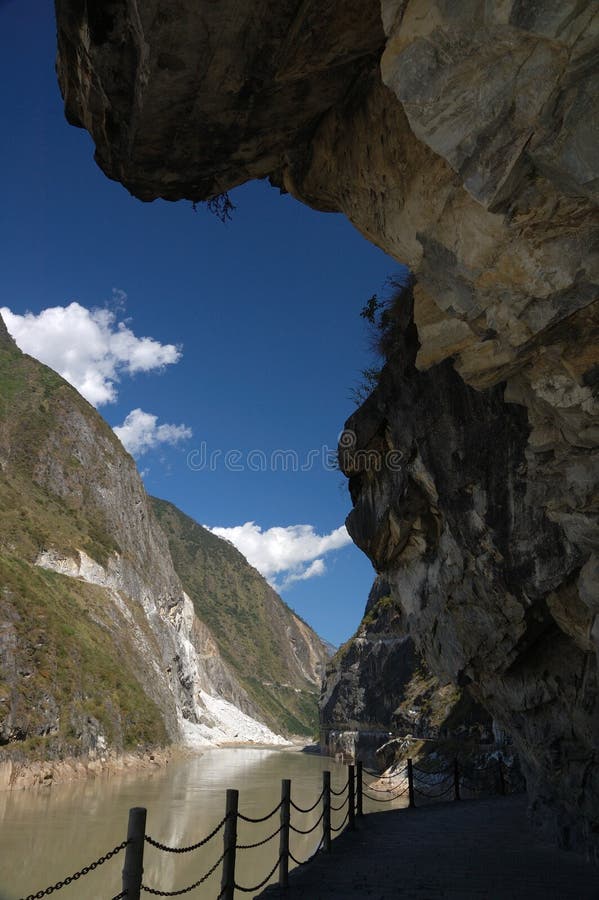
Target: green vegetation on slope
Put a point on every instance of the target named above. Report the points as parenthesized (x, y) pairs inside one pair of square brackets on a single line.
[(35, 405), (250, 623), (65, 675), (70, 676), (76, 661)]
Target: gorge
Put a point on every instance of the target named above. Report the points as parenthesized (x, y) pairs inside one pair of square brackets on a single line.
[(104, 641), (461, 138)]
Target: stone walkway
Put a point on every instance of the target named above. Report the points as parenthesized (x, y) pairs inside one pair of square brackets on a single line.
[(481, 849)]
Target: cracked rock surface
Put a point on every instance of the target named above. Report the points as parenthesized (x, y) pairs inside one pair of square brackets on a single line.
[(461, 138)]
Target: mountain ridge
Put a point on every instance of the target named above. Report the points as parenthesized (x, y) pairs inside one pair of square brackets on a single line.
[(100, 646)]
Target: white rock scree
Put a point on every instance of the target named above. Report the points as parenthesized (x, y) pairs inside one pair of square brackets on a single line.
[(205, 719)]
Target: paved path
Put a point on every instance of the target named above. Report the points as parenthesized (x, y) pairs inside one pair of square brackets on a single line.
[(482, 849)]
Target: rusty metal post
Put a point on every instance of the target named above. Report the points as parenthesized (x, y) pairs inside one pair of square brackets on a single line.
[(351, 798), (134, 854)]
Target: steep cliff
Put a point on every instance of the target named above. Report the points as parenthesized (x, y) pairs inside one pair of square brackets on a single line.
[(76, 534), (101, 649), (378, 686), (460, 137), (275, 656)]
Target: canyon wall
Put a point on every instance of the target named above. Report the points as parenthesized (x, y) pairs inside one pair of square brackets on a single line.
[(461, 138), (102, 650), (378, 689)]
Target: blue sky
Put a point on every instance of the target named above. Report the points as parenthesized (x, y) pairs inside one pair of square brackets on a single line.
[(256, 323)]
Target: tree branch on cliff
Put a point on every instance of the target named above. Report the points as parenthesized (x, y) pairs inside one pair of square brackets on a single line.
[(220, 206)]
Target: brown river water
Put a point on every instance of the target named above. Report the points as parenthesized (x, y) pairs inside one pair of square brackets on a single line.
[(49, 833)]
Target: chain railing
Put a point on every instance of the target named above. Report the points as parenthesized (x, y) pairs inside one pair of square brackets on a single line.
[(427, 784), (77, 875), (431, 784), (322, 827)]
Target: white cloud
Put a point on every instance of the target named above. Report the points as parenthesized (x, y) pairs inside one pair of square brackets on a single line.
[(295, 551), (88, 347), (141, 432), (314, 570)]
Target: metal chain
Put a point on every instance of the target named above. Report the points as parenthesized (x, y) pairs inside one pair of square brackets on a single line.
[(309, 830), (185, 890), (199, 844), (342, 824), (379, 791), (434, 796), (77, 875), (421, 780), (379, 776), (447, 791), (385, 799), (260, 843), (246, 890), (416, 768), (300, 809), (262, 818), (341, 805), (418, 773), (342, 791), (310, 858)]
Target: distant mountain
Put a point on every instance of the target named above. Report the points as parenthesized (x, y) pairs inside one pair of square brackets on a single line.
[(278, 658), (100, 646)]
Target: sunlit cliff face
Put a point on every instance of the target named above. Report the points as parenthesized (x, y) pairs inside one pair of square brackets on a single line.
[(461, 138), (488, 582)]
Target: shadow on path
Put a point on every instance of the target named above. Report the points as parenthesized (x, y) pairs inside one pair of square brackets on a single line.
[(471, 849)]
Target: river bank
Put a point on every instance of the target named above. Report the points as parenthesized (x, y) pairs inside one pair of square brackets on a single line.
[(25, 774), (46, 834)]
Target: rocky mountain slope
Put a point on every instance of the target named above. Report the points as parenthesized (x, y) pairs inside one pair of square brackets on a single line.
[(460, 137), (274, 655), (101, 648), (378, 686)]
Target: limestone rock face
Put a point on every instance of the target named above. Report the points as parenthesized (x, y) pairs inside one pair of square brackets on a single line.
[(188, 99), (366, 679), (378, 685), (479, 537), (461, 138)]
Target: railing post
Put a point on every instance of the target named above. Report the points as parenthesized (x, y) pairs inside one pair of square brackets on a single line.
[(284, 836), (412, 803), (227, 884), (360, 810), (351, 798), (326, 811), (456, 779), (502, 790), (134, 854)]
